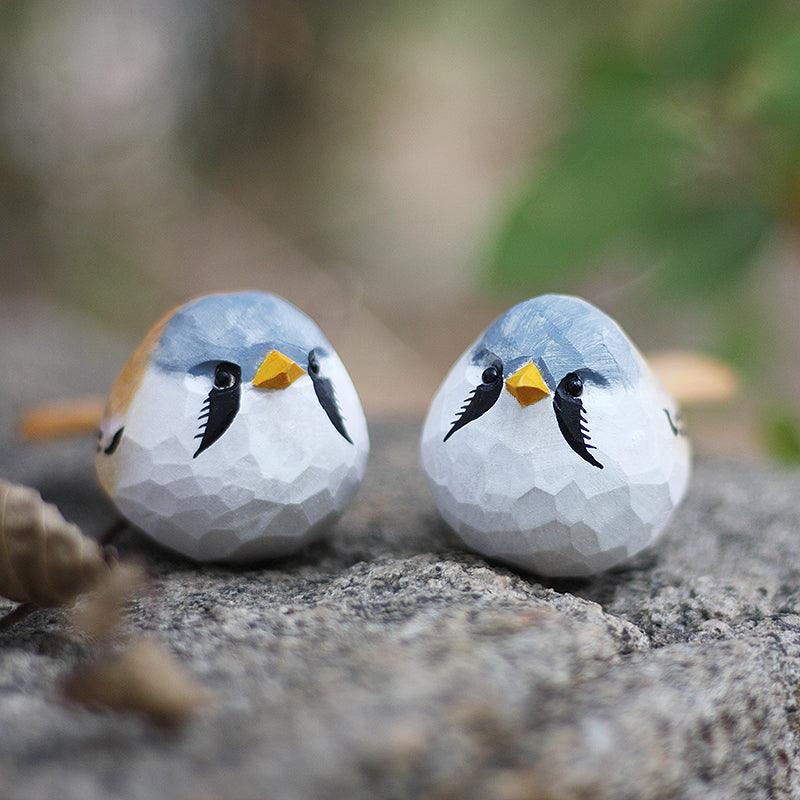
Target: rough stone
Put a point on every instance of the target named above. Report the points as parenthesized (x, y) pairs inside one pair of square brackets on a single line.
[(387, 662)]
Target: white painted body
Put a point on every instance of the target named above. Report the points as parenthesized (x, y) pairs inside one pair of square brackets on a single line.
[(271, 484), (277, 477), (512, 489)]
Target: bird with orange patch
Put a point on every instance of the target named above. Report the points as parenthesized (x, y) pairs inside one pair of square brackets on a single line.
[(234, 432)]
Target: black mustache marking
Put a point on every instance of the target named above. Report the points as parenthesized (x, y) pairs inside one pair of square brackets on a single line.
[(676, 425), (479, 401), (327, 399), (114, 443), (219, 410), (326, 395), (571, 418)]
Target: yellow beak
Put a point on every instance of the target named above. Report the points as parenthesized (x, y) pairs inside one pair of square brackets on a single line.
[(277, 371), (527, 385)]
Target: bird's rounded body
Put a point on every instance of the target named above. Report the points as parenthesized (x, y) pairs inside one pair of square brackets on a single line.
[(550, 444), (234, 433)]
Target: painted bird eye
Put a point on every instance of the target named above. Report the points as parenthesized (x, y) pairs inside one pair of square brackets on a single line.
[(313, 364), (490, 374), (224, 377), (573, 385)]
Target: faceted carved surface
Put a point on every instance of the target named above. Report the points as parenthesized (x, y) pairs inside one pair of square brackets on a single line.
[(277, 476), (510, 484)]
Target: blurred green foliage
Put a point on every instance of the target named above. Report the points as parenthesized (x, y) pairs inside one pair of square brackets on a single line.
[(673, 155), (676, 152), (679, 150), (782, 437)]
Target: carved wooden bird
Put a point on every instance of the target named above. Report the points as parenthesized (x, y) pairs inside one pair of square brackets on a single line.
[(551, 445)]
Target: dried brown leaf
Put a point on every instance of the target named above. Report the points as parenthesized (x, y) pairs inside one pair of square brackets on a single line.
[(100, 612), (695, 378), (44, 560), (143, 678)]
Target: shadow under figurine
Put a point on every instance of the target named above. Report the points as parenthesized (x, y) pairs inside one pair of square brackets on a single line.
[(234, 432), (551, 446)]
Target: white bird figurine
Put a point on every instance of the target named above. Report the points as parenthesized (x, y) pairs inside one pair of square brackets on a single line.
[(234, 432), (566, 457)]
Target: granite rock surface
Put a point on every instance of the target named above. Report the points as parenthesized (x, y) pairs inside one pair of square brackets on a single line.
[(387, 663)]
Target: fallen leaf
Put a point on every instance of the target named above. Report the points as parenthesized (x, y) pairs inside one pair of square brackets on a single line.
[(99, 614), (695, 378), (44, 560), (145, 678)]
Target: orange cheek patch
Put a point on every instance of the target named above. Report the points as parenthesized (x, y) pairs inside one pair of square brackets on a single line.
[(130, 378)]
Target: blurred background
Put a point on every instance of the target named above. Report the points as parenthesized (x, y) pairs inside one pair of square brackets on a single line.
[(405, 171)]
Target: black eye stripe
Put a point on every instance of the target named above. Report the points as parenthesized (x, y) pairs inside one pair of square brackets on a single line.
[(326, 395), (571, 418), (481, 398), (569, 409), (221, 406)]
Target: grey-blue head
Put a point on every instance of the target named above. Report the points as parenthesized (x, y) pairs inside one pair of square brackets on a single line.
[(240, 328), (561, 335)]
